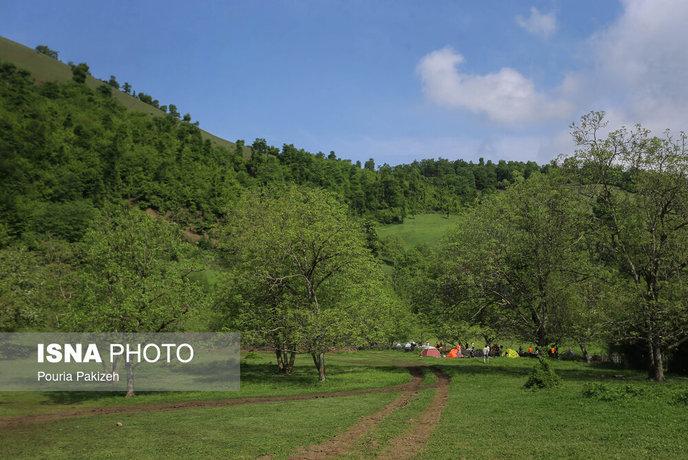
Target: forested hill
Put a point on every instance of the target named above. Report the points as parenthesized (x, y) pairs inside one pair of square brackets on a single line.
[(45, 68), (67, 148)]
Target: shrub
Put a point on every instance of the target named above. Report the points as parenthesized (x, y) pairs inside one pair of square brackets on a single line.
[(542, 376), (603, 392), (79, 72)]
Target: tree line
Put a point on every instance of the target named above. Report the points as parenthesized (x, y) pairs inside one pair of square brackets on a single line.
[(596, 250)]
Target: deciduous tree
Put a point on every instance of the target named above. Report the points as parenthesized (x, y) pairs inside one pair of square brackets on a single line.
[(305, 280), (640, 186)]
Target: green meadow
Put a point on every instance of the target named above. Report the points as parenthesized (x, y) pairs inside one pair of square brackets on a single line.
[(420, 229), (487, 414)]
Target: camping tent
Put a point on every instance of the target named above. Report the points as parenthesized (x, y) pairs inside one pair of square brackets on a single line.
[(431, 352), (511, 353), (455, 352)]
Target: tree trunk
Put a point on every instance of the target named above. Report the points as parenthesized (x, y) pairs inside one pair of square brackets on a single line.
[(280, 362), (115, 362), (658, 373), (584, 350), (130, 379), (319, 361), (285, 360), (541, 338), (292, 358), (651, 359)]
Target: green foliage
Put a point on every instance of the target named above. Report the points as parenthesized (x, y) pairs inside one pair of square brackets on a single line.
[(542, 376), (114, 83), (517, 262), (79, 72), (682, 398), (62, 144), (304, 279), (606, 392), (80, 149), (637, 182), (136, 276), (5, 237), (43, 49), (105, 90), (38, 286), (67, 220)]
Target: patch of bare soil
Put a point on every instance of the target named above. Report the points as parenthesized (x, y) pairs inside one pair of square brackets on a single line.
[(345, 441), (411, 442)]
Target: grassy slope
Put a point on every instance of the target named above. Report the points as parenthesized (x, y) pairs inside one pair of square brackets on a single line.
[(419, 229), (488, 415), (45, 69)]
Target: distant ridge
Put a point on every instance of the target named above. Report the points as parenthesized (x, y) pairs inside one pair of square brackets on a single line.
[(44, 68)]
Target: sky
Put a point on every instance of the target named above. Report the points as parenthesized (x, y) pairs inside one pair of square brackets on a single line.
[(391, 80)]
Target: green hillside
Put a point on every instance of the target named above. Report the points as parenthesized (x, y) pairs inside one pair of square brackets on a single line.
[(44, 69), (150, 150), (419, 229)]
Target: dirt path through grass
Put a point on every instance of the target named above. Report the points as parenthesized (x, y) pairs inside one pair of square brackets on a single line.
[(345, 441), (8, 422), (412, 441)]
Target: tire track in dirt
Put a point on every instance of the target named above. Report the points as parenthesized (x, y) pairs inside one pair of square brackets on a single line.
[(15, 421), (345, 441), (412, 441)]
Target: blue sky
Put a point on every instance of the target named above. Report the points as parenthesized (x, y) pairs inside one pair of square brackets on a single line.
[(390, 80)]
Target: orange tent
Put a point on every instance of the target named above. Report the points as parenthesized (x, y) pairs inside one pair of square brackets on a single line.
[(455, 352)]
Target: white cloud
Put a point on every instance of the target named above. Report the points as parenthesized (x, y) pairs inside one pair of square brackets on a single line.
[(641, 60), (505, 96), (635, 69), (542, 25)]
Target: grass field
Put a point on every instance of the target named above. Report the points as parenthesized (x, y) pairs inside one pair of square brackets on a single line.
[(486, 414), (44, 68), (419, 229)]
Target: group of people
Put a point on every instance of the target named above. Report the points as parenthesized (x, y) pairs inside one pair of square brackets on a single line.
[(552, 351), (469, 351)]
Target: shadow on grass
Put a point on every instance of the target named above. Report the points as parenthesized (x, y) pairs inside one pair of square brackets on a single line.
[(306, 375), (252, 374)]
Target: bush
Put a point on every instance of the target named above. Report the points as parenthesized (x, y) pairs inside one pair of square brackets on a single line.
[(390, 216), (79, 72), (542, 376), (603, 392)]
